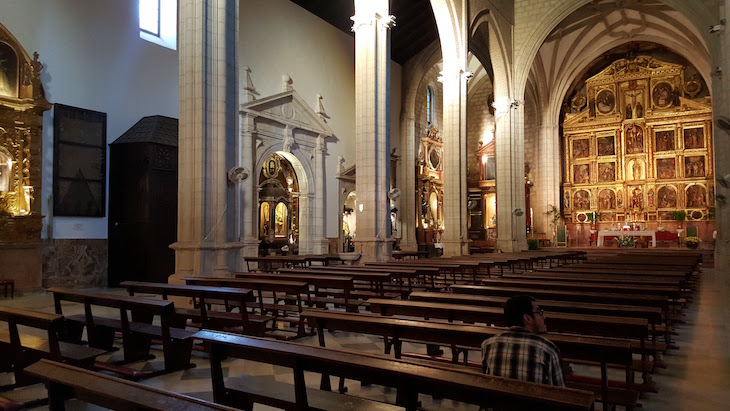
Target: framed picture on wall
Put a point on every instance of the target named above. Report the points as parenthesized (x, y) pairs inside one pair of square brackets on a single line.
[(79, 162)]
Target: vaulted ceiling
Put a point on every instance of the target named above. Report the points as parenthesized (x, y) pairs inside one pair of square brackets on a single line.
[(415, 25)]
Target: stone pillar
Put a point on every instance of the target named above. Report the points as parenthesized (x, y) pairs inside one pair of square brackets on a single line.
[(456, 236), (248, 193), (321, 244), (721, 107), (372, 25), (547, 186), (207, 243), (407, 181), (510, 150)]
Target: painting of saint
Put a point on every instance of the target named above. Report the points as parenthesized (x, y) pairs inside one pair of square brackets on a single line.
[(639, 110), (607, 200), (665, 168), (634, 139), (694, 138), (581, 174), (8, 71), (696, 196), (664, 140), (662, 95), (581, 148), (605, 101), (694, 166), (606, 172), (637, 198), (667, 197), (650, 197), (605, 146), (582, 200), (620, 198)]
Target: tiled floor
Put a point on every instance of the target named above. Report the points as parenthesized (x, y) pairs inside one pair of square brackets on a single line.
[(697, 377)]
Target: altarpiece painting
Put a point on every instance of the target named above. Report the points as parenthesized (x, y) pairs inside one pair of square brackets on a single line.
[(694, 138), (665, 168), (664, 140), (606, 146), (79, 169)]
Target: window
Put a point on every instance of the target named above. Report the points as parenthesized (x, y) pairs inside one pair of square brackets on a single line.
[(158, 22), (149, 16), (429, 105)]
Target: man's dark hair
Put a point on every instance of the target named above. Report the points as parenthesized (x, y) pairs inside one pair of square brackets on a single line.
[(515, 308)]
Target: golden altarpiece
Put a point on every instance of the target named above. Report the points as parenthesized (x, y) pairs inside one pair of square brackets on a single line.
[(430, 186), (22, 103), (638, 146)]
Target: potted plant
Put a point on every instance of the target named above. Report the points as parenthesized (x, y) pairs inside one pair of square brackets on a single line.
[(692, 242), (626, 241), (533, 244), (678, 216), (593, 218)]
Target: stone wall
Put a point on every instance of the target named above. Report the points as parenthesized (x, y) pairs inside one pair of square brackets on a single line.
[(75, 263)]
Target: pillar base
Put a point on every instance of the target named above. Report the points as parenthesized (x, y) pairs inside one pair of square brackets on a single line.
[(455, 248), (377, 250)]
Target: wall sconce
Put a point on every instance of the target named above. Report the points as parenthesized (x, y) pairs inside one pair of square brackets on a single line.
[(359, 206)]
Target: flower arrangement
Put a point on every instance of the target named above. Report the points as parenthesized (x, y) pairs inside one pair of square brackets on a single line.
[(626, 241), (533, 244), (692, 242), (285, 249)]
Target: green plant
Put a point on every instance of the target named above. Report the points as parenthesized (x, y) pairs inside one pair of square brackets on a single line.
[(626, 241), (678, 215), (692, 241), (555, 214), (593, 216), (533, 244)]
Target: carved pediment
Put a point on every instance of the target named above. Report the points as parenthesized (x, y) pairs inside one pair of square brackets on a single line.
[(290, 110), (641, 66)]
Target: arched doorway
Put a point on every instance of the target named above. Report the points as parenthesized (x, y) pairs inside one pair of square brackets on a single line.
[(278, 207)]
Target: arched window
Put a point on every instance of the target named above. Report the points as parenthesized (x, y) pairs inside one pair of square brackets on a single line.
[(429, 104)]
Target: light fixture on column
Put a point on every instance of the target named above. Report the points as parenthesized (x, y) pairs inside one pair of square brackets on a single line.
[(359, 206), (518, 212)]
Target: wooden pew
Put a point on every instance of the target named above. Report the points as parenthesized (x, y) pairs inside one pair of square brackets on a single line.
[(648, 289), (294, 289), (395, 330), (600, 325), (597, 277), (201, 315), (652, 314), (337, 282), (65, 381), (137, 332), (18, 350), (376, 279), (541, 294), (274, 262), (409, 379)]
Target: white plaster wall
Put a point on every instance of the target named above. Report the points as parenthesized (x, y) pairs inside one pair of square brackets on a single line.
[(94, 59), (278, 37)]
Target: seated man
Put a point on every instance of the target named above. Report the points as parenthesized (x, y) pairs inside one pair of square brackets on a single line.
[(521, 353)]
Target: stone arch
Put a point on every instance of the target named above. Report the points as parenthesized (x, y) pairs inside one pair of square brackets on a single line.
[(305, 175), (560, 9)]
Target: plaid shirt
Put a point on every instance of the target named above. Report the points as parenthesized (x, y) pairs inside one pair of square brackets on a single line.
[(523, 355)]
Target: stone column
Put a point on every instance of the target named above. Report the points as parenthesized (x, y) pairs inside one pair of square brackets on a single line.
[(321, 244), (248, 187), (721, 107), (372, 128), (547, 186), (510, 150), (407, 182), (456, 236), (207, 243)]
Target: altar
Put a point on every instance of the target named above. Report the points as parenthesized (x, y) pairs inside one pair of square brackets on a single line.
[(618, 233)]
